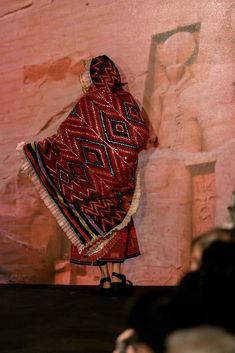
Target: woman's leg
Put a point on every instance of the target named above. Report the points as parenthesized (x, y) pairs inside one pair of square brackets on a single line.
[(116, 267), (104, 274)]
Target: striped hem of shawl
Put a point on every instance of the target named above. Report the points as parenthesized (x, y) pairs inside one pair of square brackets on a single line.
[(99, 245)]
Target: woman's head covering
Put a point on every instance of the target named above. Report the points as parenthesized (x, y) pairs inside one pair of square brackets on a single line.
[(104, 74)]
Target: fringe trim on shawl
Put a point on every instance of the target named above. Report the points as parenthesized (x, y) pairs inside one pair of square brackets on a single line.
[(99, 245), (49, 202)]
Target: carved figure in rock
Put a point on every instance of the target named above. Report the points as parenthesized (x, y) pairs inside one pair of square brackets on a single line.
[(173, 115), (203, 203), (217, 106), (86, 173)]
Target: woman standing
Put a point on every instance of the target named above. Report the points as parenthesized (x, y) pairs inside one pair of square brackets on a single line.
[(86, 173)]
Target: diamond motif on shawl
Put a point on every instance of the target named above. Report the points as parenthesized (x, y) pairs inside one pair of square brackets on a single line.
[(93, 157), (119, 128), (95, 154), (78, 170), (64, 177), (116, 131)]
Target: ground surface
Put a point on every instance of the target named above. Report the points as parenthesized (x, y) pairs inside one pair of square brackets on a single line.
[(61, 319)]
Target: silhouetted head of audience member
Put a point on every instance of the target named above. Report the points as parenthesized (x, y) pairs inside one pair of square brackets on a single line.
[(203, 241), (202, 339), (129, 342), (149, 318), (205, 296)]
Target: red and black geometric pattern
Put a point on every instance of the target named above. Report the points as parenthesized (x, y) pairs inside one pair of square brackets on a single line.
[(88, 167)]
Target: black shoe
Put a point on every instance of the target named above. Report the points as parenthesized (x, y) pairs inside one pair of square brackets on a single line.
[(125, 287), (105, 291)]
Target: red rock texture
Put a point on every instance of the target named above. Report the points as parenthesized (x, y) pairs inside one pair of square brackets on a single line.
[(186, 182)]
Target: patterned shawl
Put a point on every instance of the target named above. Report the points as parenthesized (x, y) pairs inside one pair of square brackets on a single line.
[(86, 172)]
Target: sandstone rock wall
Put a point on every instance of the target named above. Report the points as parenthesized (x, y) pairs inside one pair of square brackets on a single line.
[(178, 57)]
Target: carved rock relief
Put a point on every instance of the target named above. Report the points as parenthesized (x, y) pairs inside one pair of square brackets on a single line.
[(217, 106), (203, 197), (173, 114), (52, 70)]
